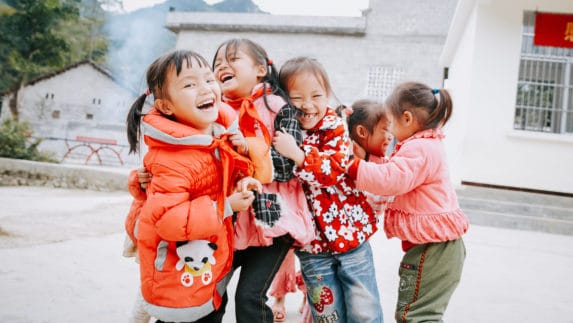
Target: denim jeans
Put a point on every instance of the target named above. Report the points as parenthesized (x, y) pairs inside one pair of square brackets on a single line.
[(342, 287), (258, 268)]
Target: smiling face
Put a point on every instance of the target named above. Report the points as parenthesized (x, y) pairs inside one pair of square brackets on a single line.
[(193, 96), (237, 72), (377, 141), (309, 96)]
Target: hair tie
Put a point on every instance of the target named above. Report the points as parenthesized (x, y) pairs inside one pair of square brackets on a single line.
[(269, 61), (435, 91), (348, 111), (147, 92)]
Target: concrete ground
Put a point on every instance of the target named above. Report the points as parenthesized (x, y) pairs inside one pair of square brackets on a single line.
[(61, 262)]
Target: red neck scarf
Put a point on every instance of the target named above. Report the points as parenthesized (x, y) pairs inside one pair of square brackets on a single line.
[(250, 122), (232, 163)]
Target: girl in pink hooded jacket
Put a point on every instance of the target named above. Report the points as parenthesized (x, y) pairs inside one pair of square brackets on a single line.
[(425, 213)]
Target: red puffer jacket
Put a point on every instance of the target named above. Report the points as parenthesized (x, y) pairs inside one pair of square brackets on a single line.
[(185, 231)]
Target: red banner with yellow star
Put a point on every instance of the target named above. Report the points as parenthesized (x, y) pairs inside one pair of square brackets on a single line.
[(553, 29)]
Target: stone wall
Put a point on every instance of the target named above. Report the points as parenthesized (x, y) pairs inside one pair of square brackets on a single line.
[(16, 172), (365, 57)]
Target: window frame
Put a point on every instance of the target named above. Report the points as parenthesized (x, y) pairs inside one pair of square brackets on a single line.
[(549, 105)]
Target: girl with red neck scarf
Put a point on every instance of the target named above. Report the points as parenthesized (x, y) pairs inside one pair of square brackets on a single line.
[(279, 218)]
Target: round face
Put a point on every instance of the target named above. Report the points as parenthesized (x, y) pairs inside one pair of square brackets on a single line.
[(194, 96), (237, 72), (377, 141), (310, 97), (403, 126)]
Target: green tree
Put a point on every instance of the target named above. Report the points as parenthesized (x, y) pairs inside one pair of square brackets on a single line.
[(29, 42), (16, 141), (85, 35)]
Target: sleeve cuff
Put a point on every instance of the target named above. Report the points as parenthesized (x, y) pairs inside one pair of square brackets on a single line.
[(352, 170), (134, 188)]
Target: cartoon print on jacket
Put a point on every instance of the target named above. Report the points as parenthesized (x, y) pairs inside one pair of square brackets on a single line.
[(197, 257)]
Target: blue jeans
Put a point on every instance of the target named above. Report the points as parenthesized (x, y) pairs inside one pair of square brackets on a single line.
[(342, 287)]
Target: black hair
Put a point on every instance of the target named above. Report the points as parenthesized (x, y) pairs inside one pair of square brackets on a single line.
[(367, 113), (155, 76), (431, 107), (260, 56)]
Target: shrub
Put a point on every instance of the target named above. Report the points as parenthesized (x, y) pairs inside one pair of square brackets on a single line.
[(16, 141)]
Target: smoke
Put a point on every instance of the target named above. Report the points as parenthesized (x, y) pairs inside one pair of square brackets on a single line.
[(136, 39)]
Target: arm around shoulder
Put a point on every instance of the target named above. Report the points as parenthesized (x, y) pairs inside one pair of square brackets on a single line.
[(402, 173)]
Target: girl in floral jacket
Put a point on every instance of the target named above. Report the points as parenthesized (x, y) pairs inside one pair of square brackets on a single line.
[(337, 266)]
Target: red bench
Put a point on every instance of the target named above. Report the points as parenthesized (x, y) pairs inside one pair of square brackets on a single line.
[(95, 145)]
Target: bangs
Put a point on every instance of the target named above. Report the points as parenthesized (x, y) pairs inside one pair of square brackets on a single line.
[(190, 58)]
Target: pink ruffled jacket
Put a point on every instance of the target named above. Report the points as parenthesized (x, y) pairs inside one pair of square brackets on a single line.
[(425, 208), (296, 219)]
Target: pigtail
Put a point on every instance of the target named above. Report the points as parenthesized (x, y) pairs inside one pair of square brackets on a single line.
[(418, 97), (133, 122), (272, 78), (442, 110), (343, 111)]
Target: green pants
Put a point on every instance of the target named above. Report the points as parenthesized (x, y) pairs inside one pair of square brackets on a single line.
[(429, 274)]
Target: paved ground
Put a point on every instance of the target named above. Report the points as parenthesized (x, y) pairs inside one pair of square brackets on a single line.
[(61, 262)]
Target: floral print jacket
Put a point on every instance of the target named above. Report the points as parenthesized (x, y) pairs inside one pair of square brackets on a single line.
[(344, 219)]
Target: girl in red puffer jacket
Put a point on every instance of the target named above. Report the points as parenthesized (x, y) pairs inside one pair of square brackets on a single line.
[(182, 223)]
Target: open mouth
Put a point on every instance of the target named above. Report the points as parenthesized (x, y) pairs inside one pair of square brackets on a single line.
[(308, 115), (206, 105), (302, 115), (226, 78)]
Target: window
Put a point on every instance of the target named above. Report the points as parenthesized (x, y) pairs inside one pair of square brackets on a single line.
[(89, 116), (544, 99), (381, 81), (56, 114)]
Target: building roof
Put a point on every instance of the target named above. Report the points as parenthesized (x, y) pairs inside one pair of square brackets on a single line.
[(211, 21), (461, 16), (70, 67)]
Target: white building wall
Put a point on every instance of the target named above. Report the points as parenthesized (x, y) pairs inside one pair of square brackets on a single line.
[(280, 47), (455, 130), (484, 82), (75, 93)]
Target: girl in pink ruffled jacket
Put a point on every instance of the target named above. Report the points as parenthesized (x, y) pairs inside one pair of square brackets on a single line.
[(425, 213)]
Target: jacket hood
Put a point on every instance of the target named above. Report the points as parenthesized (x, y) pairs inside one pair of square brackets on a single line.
[(160, 131)]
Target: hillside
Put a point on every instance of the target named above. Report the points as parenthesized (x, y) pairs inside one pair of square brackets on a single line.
[(138, 37)]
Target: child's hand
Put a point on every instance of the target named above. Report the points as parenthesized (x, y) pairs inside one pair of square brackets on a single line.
[(238, 140), (240, 201), (285, 144), (247, 184), (144, 177)]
